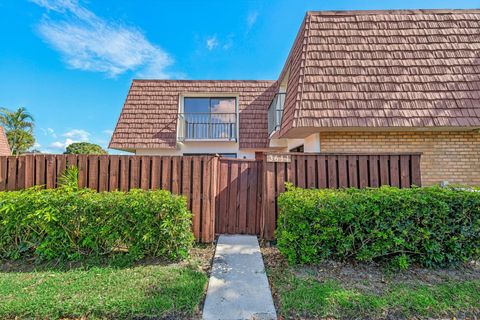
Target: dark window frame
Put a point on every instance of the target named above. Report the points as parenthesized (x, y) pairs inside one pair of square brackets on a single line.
[(231, 155), (300, 148), (210, 101)]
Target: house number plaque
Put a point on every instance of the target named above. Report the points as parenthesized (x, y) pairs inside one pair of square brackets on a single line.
[(279, 158)]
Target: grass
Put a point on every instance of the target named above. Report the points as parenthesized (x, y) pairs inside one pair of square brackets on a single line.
[(103, 292), (304, 296)]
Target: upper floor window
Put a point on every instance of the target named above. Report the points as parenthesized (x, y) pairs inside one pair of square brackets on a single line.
[(275, 112), (208, 118)]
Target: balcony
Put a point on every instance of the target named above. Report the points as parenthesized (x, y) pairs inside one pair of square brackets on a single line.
[(207, 126), (275, 112)]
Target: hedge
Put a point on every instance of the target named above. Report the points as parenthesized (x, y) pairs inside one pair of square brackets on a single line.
[(65, 224), (430, 226)]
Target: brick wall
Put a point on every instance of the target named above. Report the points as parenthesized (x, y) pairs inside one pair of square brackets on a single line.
[(452, 156)]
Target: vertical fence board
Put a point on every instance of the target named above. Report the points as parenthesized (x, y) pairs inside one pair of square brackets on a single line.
[(405, 171), (3, 173), (20, 183), (214, 165), (196, 196), (72, 160), (144, 172), (291, 171), (135, 172), (61, 166), (260, 197), (301, 172), (252, 198), (166, 165), (311, 180), (374, 174), (322, 171), (113, 182), (342, 172), (384, 170), (176, 175), (242, 217), (269, 214), (416, 176), (103, 172), (363, 171), (124, 173), (281, 177), (51, 172), (232, 203), (29, 171), (186, 178), (332, 171), (394, 171), (82, 171), (12, 173), (156, 172), (352, 171), (223, 198), (93, 172), (206, 208)]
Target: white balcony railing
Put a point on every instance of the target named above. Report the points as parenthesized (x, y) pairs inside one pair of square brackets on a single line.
[(275, 112), (207, 126)]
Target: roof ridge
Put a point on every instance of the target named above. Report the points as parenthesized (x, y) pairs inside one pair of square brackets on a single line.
[(201, 80), (391, 11)]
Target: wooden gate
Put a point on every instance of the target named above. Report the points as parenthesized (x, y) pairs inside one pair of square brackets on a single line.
[(239, 198)]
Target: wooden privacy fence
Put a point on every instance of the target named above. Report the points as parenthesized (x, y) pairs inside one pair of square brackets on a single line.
[(193, 177), (333, 171), (224, 195)]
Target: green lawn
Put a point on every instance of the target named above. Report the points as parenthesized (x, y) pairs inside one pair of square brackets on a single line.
[(103, 292), (305, 297)]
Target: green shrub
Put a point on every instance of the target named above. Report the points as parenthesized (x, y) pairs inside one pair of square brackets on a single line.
[(430, 226), (68, 224)]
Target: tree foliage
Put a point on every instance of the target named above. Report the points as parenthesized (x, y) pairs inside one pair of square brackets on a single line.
[(18, 126), (84, 148)]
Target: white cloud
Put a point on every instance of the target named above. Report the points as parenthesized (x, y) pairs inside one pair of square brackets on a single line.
[(212, 43), (88, 42), (61, 145), (77, 135), (74, 135), (108, 132), (251, 19), (49, 132)]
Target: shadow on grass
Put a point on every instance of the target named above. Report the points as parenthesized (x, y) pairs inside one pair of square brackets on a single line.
[(201, 254)]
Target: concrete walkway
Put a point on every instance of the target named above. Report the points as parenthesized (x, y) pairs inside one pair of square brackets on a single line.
[(238, 288)]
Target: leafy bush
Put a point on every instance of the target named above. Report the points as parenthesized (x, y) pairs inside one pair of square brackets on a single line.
[(431, 226), (68, 224)]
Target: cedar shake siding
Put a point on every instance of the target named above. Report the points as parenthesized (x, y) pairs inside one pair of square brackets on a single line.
[(4, 147), (384, 69), (149, 115), (452, 156)]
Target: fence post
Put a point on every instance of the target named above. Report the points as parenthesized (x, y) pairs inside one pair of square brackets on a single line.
[(268, 199)]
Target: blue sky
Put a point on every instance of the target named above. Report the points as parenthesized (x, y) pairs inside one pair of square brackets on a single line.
[(70, 63)]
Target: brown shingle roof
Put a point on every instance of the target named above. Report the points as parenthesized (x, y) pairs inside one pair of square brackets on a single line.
[(149, 115), (417, 68), (4, 147)]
